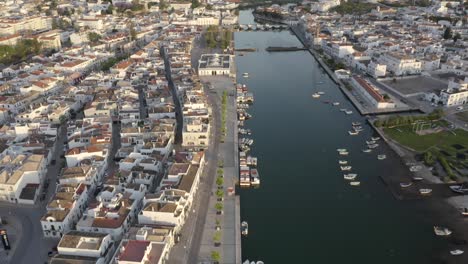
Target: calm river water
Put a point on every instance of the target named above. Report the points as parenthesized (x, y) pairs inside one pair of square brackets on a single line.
[(304, 212)]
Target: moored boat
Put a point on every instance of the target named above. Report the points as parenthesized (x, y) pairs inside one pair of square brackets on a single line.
[(462, 189), (418, 178), (373, 146), (372, 142), (348, 112), (345, 168), (245, 74), (336, 103), (343, 153), (425, 191), (355, 183), (255, 181), (464, 211), (341, 149), (442, 231), (315, 95), (366, 150), (244, 228), (356, 123), (342, 162), (350, 176), (353, 133), (381, 157), (456, 252), (321, 93), (405, 185), (375, 138)]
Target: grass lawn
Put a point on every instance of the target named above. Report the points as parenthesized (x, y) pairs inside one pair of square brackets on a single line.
[(463, 116), (443, 140)]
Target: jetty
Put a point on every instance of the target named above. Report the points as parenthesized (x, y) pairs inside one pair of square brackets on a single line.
[(246, 50), (279, 49)]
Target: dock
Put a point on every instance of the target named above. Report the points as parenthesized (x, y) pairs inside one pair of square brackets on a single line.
[(342, 86)]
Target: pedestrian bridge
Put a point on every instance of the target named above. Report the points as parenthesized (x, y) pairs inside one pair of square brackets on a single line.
[(261, 27)]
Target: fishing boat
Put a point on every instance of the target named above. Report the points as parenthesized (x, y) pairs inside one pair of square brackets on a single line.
[(343, 162), (375, 138), (336, 103), (405, 185), (456, 252), (348, 112), (244, 228), (381, 157), (417, 179), (350, 176), (345, 168), (462, 189), (343, 153), (355, 183), (353, 133), (315, 95), (341, 149), (356, 123), (442, 231), (366, 150), (425, 191)]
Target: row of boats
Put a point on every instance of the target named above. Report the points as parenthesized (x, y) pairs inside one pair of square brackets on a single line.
[(346, 167), (248, 175)]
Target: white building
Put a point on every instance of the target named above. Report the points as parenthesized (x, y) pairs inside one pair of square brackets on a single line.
[(371, 93), (214, 64), (400, 64)]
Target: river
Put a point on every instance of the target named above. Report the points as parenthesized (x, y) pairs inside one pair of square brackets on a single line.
[(304, 211)]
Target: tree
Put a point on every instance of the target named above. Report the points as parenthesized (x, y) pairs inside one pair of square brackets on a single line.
[(448, 33), (219, 180), (220, 193), (94, 37), (163, 5), (110, 10), (215, 256), (219, 206), (428, 158), (386, 97), (195, 4)]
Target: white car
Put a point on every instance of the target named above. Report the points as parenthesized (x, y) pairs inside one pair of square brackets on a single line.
[(460, 108)]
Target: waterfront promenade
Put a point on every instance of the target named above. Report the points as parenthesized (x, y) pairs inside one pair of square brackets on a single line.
[(229, 221)]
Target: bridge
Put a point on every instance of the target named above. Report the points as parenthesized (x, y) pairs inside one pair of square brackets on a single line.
[(261, 27)]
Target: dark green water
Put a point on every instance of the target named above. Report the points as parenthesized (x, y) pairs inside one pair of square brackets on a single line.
[(304, 212)]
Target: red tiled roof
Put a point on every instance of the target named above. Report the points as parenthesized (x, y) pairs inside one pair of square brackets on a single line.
[(134, 251), (375, 94)]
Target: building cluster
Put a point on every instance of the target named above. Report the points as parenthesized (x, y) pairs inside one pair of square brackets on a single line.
[(390, 42), (96, 116)]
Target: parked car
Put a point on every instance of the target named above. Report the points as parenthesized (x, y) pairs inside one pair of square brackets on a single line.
[(460, 108)]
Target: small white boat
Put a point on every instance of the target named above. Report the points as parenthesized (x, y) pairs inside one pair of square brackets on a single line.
[(342, 162), (343, 110), (336, 103), (321, 93), (356, 123), (405, 185), (319, 82), (245, 74), (425, 191), (348, 112), (418, 178), (381, 157), (442, 231), (315, 95), (260, 262), (353, 133), (373, 146), (343, 153), (350, 176), (345, 168), (355, 183), (456, 252), (375, 138), (341, 149), (415, 168), (366, 150), (372, 142), (464, 211), (244, 228)]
